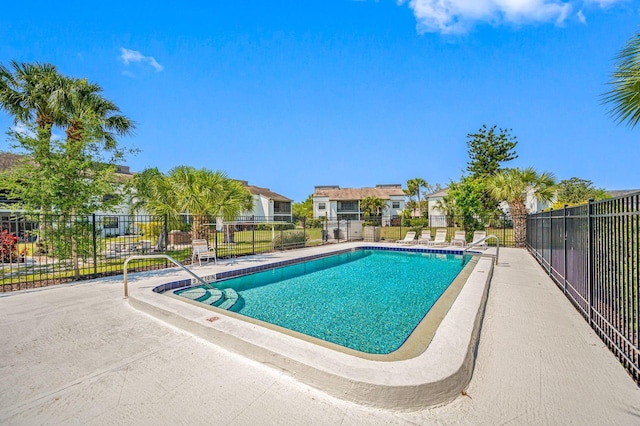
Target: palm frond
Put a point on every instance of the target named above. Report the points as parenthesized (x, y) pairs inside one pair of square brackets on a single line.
[(625, 94)]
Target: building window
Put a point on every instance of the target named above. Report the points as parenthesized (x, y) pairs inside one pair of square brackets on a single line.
[(395, 205), (281, 207), (110, 222), (347, 206), (322, 206)]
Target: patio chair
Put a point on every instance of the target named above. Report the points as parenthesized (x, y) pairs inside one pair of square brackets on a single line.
[(201, 252), (440, 239), (477, 236), (409, 238), (424, 237), (459, 238)]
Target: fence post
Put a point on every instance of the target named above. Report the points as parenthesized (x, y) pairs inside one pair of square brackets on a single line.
[(95, 246), (165, 231), (551, 242), (542, 242), (326, 229), (348, 230), (304, 231), (590, 260), (564, 249)]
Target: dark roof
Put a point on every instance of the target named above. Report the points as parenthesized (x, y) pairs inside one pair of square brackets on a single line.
[(337, 193), (622, 192), (441, 193), (267, 193), (8, 160)]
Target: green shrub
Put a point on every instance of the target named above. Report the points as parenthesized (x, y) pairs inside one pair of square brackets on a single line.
[(62, 241), (150, 230), (314, 223), (419, 222), (416, 229), (290, 239), (278, 226)]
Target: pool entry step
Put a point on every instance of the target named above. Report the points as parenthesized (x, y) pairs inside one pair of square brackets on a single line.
[(226, 298)]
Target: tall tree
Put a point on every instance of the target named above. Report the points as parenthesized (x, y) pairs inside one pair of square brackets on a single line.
[(416, 185), (303, 210), (69, 176), (512, 186), (578, 191), (73, 176), (464, 203), (625, 95), (27, 93), (414, 188), (488, 149), (373, 206)]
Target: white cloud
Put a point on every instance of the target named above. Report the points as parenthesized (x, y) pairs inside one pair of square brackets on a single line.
[(21, 129), (27, 131), (129, 56), (581, 17), (458, 16)]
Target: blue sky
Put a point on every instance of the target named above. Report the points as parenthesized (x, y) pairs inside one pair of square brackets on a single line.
[(292, 94)]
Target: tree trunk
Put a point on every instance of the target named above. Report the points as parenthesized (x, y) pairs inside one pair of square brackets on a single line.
[(199, 227), (519, 216)]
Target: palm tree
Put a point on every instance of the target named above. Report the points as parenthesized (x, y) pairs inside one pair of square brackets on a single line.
[(373, 206), (625, 95), (512, 186), (409, 192), (199, 192), (85, 112), (26, 92), (414, 186)]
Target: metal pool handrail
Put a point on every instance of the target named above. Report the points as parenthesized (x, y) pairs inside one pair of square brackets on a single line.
[(479, 242), (152, 256)]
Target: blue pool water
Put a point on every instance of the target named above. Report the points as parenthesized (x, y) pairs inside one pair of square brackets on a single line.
[(367, 300)]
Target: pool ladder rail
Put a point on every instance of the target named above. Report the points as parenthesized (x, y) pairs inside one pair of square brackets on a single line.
[(482, 242), (157, 256)]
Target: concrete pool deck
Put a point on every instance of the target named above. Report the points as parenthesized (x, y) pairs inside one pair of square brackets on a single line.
[(81, 354)]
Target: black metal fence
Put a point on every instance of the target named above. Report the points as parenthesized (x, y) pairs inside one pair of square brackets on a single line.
[(39, 250), (592, 252)]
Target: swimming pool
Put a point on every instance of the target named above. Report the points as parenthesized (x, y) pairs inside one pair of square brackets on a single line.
[(369, 300), (432, 367)]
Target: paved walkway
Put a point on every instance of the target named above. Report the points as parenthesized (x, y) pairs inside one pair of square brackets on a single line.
[(79, 354)]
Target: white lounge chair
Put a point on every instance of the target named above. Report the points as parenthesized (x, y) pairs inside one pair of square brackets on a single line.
[(477, 236), (409, 238), (201, 252), (424, 237), (440, 239), (460, 238)]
